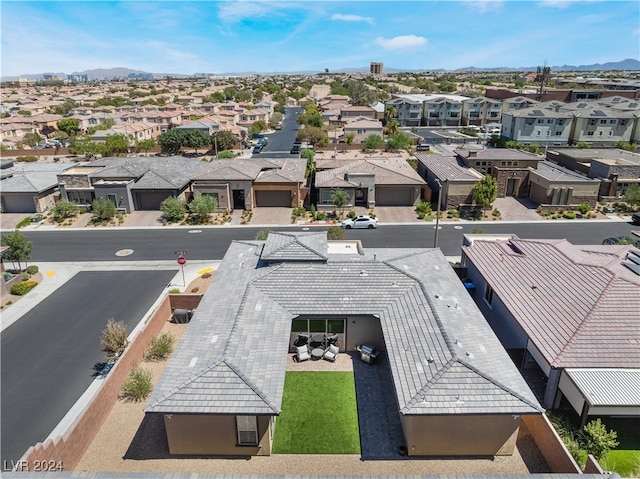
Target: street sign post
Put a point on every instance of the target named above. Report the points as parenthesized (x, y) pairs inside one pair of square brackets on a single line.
[(182, 261)]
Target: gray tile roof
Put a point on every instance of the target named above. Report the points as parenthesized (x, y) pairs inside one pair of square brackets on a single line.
[(444, 357), (578, 304), (448, 168), (553, 172), (387, 171), (295, 246)]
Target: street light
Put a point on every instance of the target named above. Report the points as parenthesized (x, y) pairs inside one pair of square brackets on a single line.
[(435, 238)]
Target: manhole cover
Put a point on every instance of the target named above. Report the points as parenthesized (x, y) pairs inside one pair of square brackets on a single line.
[(124, 252)]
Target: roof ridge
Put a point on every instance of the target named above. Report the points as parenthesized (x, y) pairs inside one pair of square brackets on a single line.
[(498, 384), (252, 386), (419, 396)]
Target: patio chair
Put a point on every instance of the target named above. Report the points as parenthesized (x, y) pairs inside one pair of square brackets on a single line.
[(303, 340), (317, 340), (331, 340), (302, 353), (331, 353)]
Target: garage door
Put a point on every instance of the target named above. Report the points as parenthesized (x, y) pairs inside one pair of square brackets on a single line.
[(273, 198), (151, 200), (18, 204), (393, 197)]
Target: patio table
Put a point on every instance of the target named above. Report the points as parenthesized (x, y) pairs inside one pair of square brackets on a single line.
[(317, 353)]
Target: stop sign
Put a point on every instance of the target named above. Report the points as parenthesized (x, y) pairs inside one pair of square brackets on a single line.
[(182, 260)]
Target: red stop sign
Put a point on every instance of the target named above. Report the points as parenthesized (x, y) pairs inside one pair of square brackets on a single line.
[(182, 260)]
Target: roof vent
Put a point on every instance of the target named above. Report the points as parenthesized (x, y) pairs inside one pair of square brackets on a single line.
[(429, 359), (364, 273), (346, 176)]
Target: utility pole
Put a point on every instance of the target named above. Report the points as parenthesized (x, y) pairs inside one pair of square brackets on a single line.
[(435, 237)]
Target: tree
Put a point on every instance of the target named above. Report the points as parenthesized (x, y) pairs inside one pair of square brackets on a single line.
[(116, 144), (71, 126), (202, 206), (314, 135), (359, 93), (349, 138), (309, 155), (64, 209), (103, 209), (632, 195), (224, 140), (257, 127), (340, 199), (19, 247), (392, 128), (275, 119), (31, 139), (196, 139), (583, 145), (146, 145), (173, 209), (485, 191), (114, 339), (389, 114), (373, 142), (336, 233), (597, 440), (171, 141), (310, 118), (398, 141)]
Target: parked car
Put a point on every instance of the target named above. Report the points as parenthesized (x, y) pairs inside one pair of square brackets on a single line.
[(635, 218), (257, 149), (295, 149), (423, 147), (362, 221)]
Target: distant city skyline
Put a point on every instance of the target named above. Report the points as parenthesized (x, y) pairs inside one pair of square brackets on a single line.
[(268, 36)]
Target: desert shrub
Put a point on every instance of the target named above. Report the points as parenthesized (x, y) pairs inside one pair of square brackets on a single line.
[(174, 291), (352, 214), (597, 440), (584, 208), (372, 214), (262, 235), (103, 209), (33, 269), (64, 209), (138, 385), (320, 215), (24, 276), (25, 222), (496, 213), (173, 209), (114, 339), (423, 208), (27, 159), (570, 215), (23, 288), (297, 212), (160, 348), (336, 233)]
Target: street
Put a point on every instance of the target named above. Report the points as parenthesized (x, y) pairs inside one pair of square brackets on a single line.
[(211, 243)]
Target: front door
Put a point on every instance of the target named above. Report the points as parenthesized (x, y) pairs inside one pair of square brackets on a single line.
[(238, 199), (511, 183), (361, 196)]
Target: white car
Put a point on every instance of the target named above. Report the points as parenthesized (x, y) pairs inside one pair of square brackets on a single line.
[(361, 221)]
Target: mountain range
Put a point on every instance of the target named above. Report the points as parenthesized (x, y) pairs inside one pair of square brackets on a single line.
[(628, 64)]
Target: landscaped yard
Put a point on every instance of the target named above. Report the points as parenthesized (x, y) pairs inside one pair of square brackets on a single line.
[(319, 415)]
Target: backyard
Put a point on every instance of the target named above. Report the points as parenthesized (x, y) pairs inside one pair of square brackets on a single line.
[(319, 414)]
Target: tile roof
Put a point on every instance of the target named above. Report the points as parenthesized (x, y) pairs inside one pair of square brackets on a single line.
[(448, 168), (387, 171), (579, 305), (444, 357), (553, 172)]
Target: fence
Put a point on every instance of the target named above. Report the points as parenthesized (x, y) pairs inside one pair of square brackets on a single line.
[(550, 444)]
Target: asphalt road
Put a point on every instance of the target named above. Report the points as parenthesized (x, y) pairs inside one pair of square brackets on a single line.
[(212, 243), (280, 141), (48, 357)]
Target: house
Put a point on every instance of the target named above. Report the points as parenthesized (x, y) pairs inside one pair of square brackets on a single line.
[(602, 126), (29, 187), (550, 185), (353, 111), (369, 183), (535, 125), (408, 109), (480, 111), (206, 126), (448, 177), (569, 310), (361, 128), (457, 391)]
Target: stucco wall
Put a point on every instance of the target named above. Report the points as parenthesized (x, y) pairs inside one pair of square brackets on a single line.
[(550, 445), (461, 435), (213, 434)]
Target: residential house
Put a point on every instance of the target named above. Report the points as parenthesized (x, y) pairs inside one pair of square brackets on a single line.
[(456, 391), (480, 111), (442, 110), (449, 178), (353, 111), (602, 126), (517, 103), (408, 110), (362, 127), (248, 117), (369, 183), (569, 310), (551, 185), (29, 187), (204, 125), (544, 127)]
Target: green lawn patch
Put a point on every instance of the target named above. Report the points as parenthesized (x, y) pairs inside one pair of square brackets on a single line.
[(319, 415)]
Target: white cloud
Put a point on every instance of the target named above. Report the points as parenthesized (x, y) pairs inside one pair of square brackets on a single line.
[(484, 6), (237, 11), (401, 42), (352, 18), (563, 3)]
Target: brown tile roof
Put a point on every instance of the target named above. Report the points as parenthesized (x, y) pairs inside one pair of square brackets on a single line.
[(579, 305)]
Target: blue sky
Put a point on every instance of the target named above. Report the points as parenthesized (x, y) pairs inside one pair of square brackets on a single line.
[(265, 36)]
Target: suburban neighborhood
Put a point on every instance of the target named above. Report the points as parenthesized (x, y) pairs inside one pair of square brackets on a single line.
[(365, 272)]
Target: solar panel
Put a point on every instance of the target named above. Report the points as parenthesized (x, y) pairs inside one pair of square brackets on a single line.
[(634, 258), (599, 113), (633, 267), (635, 252)]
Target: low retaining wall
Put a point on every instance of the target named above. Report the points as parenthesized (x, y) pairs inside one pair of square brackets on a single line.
[(184, 301), (68, 449), (550, 444)]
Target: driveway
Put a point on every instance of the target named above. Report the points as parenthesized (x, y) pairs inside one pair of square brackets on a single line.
[(49, 356), (516, 209)]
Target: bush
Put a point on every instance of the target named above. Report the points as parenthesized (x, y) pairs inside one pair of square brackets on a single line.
[(64, 209), (336, 233), (262, 235), (173, 209), (570, 215), (114, 339), (174, 291), (24, 276), (27, 159), (23, 288), (312, 212), (424, 208), (24, 222), (206, 275), (352, 214), (320, 215), (584, 208), (597, 440), (103, 209), (138, 385), (33, 269), (496, 213), (160, 348)]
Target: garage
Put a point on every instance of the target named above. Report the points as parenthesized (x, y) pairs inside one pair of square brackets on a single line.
[(150, 200), (394, 196), (273, 198), (18, 203)]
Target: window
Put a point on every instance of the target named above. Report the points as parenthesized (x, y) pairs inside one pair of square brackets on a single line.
[(247, 430), (515, 163), (77, 197), (540, 121), (613, 122), (603, 122), (488, 295), (623, 122), (325, 197), (589, 133), (592, 122), (538, 132), (503, 163), (560, 122), (558, 133), (324, 326), (212, 195)]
